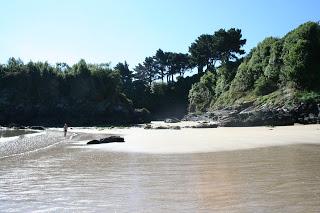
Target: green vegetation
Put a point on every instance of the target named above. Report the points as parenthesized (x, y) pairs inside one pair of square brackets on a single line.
[(222, 47), (38, 93), (89, 94), (277, 72)]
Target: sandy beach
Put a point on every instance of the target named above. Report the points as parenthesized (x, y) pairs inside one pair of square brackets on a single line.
[(189, 140), (165, 141)]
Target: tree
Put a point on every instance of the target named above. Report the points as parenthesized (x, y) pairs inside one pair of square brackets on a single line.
[(161, 62), (14, 65), (125, 73), (182, 63), (151, 69), (147, 72), (228, 44), (140, 73), (222, 46), (81, 68), (171, 66), (62, 67), (201, 51), (178, 63)]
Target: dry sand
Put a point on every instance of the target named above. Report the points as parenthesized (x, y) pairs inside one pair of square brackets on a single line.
[(189, 140)]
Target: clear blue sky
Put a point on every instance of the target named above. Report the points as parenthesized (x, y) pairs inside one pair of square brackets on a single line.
[(118, 30)]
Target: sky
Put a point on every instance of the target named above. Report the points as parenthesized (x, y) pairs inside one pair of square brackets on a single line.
[(101, 31)]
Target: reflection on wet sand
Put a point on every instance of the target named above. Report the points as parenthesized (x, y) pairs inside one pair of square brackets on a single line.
[(65, 178)]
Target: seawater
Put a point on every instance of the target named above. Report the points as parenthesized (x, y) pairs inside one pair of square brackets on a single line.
[(70, 178), (11, 133)]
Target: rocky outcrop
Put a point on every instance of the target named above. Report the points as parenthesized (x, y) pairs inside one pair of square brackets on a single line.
[(257, 118), (306, 113), (110, 139), (206, 116), (94, 142), (250, 115)]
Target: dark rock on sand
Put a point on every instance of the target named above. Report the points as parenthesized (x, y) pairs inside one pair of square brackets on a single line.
[(110, 139), (94, 142), (148, 126), (175, 127)]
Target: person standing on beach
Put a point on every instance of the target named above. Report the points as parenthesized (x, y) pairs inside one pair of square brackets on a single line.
[(65, 129)]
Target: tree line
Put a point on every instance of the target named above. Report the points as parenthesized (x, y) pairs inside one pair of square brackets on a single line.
[(207, 51), (87, 94)]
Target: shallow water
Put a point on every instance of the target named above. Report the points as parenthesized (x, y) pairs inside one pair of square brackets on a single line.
[(26, 143), (65, 178), (12, 133)]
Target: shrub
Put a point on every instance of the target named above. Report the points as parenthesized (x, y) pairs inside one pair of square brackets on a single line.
[(264, 86), (199, 98)]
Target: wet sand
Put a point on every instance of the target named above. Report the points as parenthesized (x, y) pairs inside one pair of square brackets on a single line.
[(73, 177)]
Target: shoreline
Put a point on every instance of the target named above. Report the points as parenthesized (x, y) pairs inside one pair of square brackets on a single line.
[(166, 141)]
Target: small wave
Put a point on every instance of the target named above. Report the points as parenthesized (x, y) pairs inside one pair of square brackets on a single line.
[(24, 144)]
